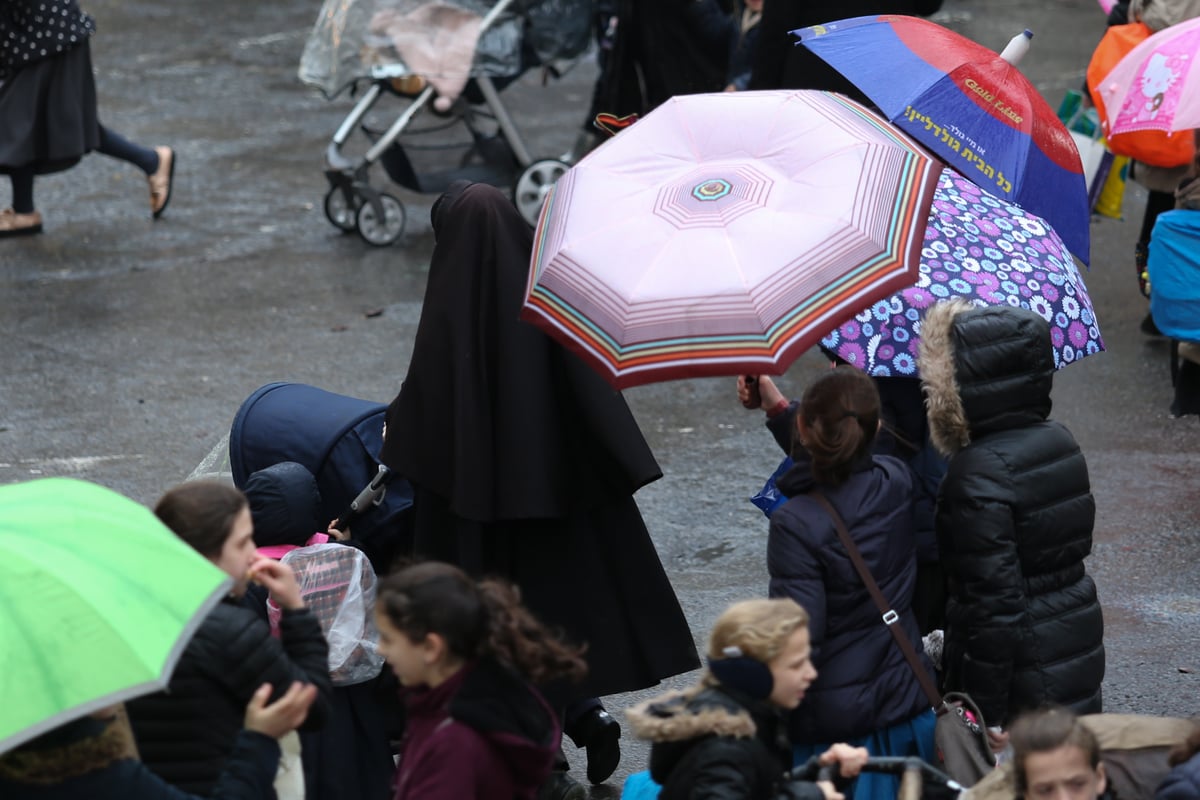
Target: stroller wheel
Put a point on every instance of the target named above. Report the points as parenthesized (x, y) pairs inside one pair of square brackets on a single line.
[(385, 231), (534, 184), (339, 211)]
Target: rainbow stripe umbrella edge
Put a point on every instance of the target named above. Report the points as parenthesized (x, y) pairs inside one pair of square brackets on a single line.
[(97, 601), (724, 233)]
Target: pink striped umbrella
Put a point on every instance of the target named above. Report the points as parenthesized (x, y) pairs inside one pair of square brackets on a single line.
[(724, 233)]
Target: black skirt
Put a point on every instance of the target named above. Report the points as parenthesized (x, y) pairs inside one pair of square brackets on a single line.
[(595, 577), (48, 114)]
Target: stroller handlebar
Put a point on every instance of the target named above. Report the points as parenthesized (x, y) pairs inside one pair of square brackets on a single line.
[(914, 773), (371, 495)]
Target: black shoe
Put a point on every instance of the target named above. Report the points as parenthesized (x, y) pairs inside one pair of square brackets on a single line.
[(600, 734), (561, 786), (1148, 327)]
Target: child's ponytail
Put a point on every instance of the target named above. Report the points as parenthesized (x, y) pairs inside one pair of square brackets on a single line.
[(840, 411), (515, 637)]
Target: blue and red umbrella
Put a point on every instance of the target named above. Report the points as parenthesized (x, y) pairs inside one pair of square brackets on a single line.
[(969, 106)]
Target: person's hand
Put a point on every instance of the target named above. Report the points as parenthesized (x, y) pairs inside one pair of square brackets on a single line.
[(831, 793), (758, 391), (337, 534), (284, 715), (998, 739), (850, 760), (748, 391), (279, 580)]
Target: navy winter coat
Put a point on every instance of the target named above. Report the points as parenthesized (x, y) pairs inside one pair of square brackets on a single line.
[(1014, 517), (1183, 782), (864, 683), (85, 759)]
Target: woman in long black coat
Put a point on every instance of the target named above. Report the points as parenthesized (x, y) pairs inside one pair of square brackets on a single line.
[(524, 462)]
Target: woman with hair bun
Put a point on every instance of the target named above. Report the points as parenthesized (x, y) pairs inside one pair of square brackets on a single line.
[(866, 693), (468, 655)]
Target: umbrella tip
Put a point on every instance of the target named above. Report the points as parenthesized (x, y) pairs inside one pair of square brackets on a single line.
[(1017, 47)]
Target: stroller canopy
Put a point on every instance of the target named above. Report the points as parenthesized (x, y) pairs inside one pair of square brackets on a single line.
[(338, 439), (353, 37)]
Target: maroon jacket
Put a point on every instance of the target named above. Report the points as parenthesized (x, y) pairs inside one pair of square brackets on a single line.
[(484, 734)]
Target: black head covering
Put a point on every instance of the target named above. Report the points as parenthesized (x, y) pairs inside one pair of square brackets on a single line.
[(283, 504), (494, 416), (1004, 365)]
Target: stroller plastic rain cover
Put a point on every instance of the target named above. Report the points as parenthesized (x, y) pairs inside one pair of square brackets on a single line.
[(353, 37)]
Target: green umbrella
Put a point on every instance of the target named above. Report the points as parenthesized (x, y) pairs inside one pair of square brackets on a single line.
[(97, 601)]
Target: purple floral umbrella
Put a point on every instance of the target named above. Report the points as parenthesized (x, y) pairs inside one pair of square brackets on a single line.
[(986, 251)]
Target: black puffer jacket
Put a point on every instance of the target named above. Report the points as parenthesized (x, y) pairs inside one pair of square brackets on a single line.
[(186, 733), (715, 743), (1014, 519)]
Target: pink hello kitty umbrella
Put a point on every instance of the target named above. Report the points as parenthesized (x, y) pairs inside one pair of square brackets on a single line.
[(1156, 86)]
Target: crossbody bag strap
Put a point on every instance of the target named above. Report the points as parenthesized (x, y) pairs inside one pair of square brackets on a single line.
[(890, 617)]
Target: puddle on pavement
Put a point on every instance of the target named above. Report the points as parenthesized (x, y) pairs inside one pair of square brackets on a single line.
[(711, 554)]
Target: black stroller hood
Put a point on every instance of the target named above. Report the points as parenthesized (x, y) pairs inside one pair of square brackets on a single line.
[(338, 439)]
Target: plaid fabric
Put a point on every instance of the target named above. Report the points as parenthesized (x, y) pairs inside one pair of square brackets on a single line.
[(328, 574)]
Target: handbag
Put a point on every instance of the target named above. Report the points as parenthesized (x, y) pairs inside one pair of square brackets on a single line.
[(769, 497), (960, 733)]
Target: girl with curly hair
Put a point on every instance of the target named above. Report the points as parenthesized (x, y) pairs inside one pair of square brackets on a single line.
[(468, 655)]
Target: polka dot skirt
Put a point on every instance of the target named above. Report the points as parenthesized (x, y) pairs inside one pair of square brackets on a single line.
[(32, 30)]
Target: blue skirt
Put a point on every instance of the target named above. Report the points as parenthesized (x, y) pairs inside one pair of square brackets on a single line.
[(911, 738)]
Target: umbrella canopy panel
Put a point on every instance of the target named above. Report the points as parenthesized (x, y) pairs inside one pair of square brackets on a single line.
[(969, 106), (988, 252), (722, 232), (97, 601)]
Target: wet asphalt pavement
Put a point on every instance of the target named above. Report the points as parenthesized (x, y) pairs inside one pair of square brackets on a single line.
[(127, 345)]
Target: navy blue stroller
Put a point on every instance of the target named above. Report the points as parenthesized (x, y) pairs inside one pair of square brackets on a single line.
[(338, 439)]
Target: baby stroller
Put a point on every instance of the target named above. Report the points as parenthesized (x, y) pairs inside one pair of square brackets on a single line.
[(338, 439), (449, 56)]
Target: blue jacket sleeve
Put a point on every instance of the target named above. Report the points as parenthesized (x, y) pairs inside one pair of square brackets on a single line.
[(1182, 783), (794, 566), (248, 774), (782, 426)]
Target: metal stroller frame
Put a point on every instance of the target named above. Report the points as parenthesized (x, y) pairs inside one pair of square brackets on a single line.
[(352, 203)]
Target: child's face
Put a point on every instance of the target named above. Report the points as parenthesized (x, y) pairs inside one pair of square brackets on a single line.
[(792, 671), (238, 552), (411, 661), (1062, 774)]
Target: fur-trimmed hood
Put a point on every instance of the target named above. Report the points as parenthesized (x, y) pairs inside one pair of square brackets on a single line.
[(983, 370), (712, 721), (689, 714), (84, 746)]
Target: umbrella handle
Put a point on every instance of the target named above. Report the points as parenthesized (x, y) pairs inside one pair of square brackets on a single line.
[(755, 398)]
